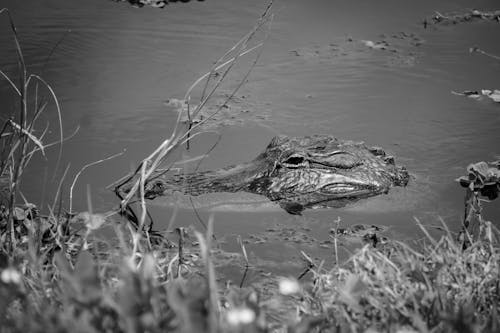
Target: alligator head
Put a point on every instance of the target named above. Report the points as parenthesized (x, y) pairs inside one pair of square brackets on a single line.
[(298, 173)]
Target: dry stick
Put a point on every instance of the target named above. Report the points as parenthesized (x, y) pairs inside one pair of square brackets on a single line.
[(19, 53), (309, 266), (230, 63), (189, 126), (38, 110), (478, 50), (12, 147), (204, 99), (58, 108), (212, 283), (214, 68), (35, 149), (202, 104), (7, 145), (146, 176), (167, 146), (151, 163), (165, 170), (144, 212), (204, 76), (245, 256), (136, 236), (195, 170), (59, 187), (33, 138), (16, 175), (233, 93), (80, 172), (180, 262), (10, 82), (164, 148)]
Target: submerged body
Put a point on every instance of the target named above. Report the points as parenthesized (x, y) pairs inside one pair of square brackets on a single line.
[(298, 173)]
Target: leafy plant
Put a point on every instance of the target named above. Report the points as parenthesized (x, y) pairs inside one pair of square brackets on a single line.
[(482, 180)]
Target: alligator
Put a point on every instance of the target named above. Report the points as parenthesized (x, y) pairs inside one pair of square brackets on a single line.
[(297, 173)]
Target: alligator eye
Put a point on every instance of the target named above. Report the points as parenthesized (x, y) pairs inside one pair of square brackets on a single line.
[(294, 161)]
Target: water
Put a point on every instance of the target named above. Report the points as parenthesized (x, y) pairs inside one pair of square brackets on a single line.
[(117, 65)]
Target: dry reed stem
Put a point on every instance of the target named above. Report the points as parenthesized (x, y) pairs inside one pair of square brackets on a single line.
[(150, 165), (80, 172)]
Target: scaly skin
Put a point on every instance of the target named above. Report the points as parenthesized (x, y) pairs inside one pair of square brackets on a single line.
[(298, 173)]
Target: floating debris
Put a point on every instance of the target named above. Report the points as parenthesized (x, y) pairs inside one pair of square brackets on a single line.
[(494, 95), (223, 110), (151, 3), (383, 45), (368, 234), (400, 50), (469, 16)]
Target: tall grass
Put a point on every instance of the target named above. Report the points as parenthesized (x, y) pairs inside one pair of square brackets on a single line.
[(18, 139)]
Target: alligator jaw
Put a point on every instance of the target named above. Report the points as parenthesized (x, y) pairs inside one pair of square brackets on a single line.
[(331, 184)]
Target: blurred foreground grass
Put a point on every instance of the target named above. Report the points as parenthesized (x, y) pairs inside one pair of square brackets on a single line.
[(57, 282)]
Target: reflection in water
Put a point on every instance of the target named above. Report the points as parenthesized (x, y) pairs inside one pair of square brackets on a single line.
[(118, 65)]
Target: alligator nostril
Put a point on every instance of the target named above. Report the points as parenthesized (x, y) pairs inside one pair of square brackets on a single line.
[(389, 160), (377, 151), (154, 189)]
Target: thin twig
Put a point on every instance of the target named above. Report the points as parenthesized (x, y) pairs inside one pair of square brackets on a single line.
[(80, 172)]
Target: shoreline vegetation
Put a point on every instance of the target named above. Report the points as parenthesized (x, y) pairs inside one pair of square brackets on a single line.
[(56, 276)]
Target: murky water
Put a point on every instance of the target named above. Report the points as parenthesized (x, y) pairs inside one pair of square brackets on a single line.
[(117, 65)]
